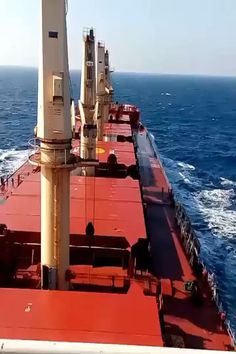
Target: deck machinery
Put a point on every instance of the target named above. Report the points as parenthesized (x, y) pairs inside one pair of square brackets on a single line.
[(92, 257)]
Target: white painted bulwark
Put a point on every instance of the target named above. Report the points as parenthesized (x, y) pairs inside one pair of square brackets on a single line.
[(41, 347)]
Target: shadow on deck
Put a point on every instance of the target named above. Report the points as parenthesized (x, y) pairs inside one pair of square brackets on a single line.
[(165, 258), (198, 325)]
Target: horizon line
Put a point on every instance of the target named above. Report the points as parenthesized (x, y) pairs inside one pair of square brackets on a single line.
[(131, 72)]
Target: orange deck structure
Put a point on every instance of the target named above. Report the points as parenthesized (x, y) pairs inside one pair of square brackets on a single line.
[(120, 292), (100, 200), (79, 316)]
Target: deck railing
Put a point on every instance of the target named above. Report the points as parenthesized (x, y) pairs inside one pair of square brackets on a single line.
[(57, 157), (183, 219), (35, 151), (192, 248)]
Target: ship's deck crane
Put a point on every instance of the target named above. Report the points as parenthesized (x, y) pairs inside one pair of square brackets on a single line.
[(108, 71), (87, 104), (104, 88), (54, 132), (101, 94)]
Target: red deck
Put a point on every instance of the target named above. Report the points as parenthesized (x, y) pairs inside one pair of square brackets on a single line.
[(117, 129), (125, 315), (101, 200), (79, 316), (124, 151)]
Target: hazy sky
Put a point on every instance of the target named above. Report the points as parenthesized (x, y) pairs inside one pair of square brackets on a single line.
[(159, 36)]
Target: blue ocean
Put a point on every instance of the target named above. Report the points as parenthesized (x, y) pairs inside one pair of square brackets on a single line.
[(193, 120)]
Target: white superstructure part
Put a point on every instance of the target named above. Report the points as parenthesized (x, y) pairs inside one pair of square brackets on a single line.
[(87, 103), (55, 133)]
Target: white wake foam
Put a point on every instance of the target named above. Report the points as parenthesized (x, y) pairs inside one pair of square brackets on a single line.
[(186, 166), (227, 182), (181, 171), (166, 94), (185, 178), (215, 206), (185, 172), (217, 198), (11, 160)]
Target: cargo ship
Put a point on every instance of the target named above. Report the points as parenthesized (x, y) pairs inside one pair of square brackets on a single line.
[(97, 255)]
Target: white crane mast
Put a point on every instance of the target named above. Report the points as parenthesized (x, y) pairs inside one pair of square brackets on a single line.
[(102, 94), (54, 132), (109, 88), (87, 103)]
